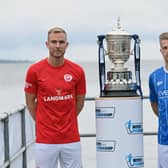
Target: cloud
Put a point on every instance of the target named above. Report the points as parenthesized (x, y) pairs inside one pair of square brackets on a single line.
[(24, 24), (81, 15)]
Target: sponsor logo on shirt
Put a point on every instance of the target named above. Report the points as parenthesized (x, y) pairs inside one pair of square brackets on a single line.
[(159, 83), (59, 90), (67, 77), (27, 85), (163, 93), (57, 98)]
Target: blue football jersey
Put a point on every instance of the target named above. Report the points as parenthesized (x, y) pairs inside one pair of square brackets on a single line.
[(158, 92)]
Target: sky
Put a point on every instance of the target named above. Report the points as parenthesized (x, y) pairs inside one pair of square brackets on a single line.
[(24, 25)]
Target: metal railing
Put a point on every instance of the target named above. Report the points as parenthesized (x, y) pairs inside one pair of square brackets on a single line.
[(4, 119)]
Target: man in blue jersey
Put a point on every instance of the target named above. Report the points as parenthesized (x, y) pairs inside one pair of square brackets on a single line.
[(158, 86)]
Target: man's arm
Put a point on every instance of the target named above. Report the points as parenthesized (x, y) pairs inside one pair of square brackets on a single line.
[(154, 106), (80, 99), (31, 104)]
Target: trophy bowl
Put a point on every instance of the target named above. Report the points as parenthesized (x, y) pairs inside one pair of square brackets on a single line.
[(118, 49)]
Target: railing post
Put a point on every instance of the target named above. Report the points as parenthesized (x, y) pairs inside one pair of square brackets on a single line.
[(6, 140), (23, 136)]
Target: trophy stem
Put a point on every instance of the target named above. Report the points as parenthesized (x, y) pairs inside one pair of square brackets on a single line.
[(119, 66)]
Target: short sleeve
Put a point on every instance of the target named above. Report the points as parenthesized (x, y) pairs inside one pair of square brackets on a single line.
[(81, 84), (31, 81), (152, 88)]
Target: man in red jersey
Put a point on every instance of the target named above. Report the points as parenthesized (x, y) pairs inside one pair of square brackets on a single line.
[(55, 90)]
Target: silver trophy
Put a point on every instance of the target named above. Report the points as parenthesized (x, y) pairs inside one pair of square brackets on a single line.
[(119, 78)]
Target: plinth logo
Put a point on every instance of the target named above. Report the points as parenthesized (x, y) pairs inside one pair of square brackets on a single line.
[(105, 112), (105, 146), (134, 161), (134, 128)]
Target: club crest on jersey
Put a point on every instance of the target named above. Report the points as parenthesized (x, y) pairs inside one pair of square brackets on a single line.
[(67, 77)]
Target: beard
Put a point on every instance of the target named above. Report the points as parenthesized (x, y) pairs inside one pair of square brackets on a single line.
[(57, 53)]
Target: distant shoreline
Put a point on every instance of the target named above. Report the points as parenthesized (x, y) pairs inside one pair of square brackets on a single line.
[(15, 61)]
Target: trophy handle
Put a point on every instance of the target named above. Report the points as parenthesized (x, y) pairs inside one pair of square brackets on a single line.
[(102, 77), (137, 62)]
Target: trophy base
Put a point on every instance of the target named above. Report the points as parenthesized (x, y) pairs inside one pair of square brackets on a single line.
[(118, 94), (117, 75), (125, 90), (120, 87)]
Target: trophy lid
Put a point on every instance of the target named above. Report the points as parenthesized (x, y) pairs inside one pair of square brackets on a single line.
[(118, 30)]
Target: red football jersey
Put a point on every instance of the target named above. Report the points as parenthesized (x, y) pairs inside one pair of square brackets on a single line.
[(56, 89)]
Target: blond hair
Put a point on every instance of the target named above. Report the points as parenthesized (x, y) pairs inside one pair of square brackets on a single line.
[(163, 36), (57, 30)]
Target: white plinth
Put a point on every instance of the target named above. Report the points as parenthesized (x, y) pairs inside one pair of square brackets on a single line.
[(119, 132)]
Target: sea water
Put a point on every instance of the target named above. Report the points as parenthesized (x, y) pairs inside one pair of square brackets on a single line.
[(12, 77)]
